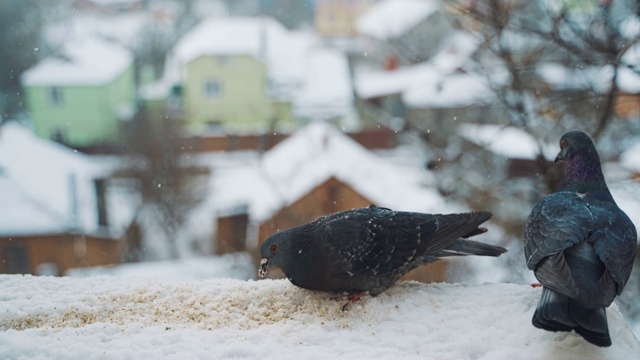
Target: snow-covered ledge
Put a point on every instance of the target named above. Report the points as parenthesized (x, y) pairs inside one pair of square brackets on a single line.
[(123, 318)]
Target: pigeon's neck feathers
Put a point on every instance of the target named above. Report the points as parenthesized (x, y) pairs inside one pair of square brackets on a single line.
[(584, 175)]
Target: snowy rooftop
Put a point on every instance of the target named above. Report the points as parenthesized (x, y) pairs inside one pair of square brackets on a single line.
[(506, 141), (120, 318), (439, 82), (261, 37), (319, 151), (392, 18), (597, 78), (263, 184), (80, 62), (36, 180), (630, 159), (114, 2), (327, 90)]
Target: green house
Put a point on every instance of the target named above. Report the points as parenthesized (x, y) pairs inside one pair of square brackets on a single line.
[(239, 74), (83, 94)]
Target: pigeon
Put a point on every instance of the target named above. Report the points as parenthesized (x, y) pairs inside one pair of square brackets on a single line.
[(580, 246), (366, 250)]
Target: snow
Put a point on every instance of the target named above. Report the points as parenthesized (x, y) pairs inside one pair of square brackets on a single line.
[(80, 62), (597, 78), (506, 141), (319, 151), (35, 179), (21, 214), (260, 37), (630, 159), (441, 82), (233, 265), (327, 92), (129, 318), (391, 19), (453, 91)]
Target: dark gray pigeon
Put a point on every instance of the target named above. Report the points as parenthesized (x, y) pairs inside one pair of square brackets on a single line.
[(369, 249), (580, 245)]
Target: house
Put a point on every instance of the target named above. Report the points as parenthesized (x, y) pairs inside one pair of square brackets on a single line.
[(252, 75), (83, 94), (237, 73), (414, 29), (337, 18), (59, 210), (435, 94), (565, 82), (107, 6), (315, 171)]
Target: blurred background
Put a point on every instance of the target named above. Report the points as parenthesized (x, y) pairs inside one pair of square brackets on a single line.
[(168, 138)]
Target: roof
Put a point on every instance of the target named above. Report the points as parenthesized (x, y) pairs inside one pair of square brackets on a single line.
[(391, 19), (21, 214), (596, 78), (441, 82), (320, 151), (80, 62), (630, 159), (506, 141), (327, 91), (51, 187), (261, 37)]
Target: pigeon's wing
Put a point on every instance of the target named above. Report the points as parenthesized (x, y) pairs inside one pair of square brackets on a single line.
[(377, 241), (558, 222), (614, 242)]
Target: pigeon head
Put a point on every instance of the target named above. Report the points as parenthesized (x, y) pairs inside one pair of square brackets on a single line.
[(274, 251), (577, 144), (583, 173)]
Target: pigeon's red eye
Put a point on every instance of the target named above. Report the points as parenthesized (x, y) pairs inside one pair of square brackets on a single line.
[(563, 144), (274, 248)]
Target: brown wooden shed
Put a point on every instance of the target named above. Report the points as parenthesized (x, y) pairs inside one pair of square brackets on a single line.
[(26, 254)]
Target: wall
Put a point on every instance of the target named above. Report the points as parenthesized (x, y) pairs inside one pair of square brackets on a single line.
[(243, 104), (65, 251), (87, 114)]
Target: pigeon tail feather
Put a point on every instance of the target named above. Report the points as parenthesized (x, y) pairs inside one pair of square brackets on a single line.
[(470, 247), (557, 312)]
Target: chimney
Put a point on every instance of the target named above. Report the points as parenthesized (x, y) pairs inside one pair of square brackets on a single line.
[(101, 202), (74, 221)]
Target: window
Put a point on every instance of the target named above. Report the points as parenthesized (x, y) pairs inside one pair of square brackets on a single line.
[(16, 259), (212, 89), (55, 95), (224, 60)]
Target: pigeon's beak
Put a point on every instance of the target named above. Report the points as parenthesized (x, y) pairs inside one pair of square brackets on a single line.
[(561, 155), (264, 268)]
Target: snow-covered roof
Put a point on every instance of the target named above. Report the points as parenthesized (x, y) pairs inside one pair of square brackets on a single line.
[(630, 27), (47, 317), (596, 78), (51, 186), (320, 151), (506, 141), (20, 214), (114, 2), (630, 159), (327, 91), (261, 37), (455, 90), (439, 82), (391, 19), (85, 61)]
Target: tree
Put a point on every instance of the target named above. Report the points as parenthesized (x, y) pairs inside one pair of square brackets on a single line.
[(170, 187), (20, 44)]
